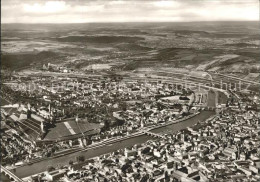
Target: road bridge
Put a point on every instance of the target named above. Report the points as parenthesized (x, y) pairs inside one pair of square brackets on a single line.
[(11, 176)]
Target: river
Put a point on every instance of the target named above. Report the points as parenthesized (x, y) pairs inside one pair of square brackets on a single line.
[(41, 166), (4, 178), (4, 101)]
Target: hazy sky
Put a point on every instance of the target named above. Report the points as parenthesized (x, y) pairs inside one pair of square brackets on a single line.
[(79, 11)]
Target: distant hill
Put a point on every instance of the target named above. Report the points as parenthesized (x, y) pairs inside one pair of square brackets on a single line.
[(20, 61), (203, 46)]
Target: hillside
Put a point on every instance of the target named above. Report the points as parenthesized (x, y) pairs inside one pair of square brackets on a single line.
[(207, 46)]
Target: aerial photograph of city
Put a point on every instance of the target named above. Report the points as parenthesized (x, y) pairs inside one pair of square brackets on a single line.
[(130, 91)]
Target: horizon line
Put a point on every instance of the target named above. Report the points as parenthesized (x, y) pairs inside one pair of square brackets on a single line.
[(202, 21)]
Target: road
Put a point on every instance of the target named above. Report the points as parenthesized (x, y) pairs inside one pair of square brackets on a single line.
[(240, 79), (41, 166)]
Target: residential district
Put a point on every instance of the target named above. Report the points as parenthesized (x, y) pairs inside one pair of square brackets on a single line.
[(180, 133)]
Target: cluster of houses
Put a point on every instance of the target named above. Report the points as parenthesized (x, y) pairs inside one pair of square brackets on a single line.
[(225, 147), (15, 149), (56, 68)]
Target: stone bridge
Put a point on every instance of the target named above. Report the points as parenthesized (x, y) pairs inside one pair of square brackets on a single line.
[(207, 108), (156, 135)]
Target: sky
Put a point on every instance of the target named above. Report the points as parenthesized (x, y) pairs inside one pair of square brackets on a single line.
[(83, 11)]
